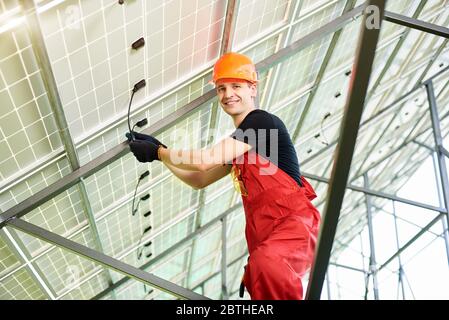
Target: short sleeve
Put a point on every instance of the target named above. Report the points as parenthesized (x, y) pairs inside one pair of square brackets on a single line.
[(249, 131)]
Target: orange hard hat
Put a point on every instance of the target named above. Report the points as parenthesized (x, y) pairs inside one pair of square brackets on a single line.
[(234, 66)]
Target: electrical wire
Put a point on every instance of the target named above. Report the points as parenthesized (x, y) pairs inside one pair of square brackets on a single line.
[(134, 197), (129, 112), (325, 141)]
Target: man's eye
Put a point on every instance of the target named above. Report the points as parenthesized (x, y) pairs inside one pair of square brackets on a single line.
[(236, 86)]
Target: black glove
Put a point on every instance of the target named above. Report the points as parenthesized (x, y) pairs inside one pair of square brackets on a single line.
[(144, 137), (144, 151)]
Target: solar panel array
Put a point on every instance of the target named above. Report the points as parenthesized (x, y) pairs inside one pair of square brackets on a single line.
[(89, 48)]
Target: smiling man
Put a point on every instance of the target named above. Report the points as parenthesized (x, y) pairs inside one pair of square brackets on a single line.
[(281, 222)]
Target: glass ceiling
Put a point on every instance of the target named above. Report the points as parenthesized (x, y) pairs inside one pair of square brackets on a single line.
[(88, 44)]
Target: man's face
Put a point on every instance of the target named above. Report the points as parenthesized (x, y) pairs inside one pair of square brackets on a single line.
[(235, 95)]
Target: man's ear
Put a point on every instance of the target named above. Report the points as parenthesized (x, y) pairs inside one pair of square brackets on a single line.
[(253, 89)]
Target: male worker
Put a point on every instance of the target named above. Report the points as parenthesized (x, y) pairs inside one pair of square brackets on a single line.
[(281, 222)]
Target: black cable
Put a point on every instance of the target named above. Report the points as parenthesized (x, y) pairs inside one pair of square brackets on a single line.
[(134, 196), (144, 198), (140, 252), (140, 123), (139, 85), (325, 142), (142, 176), (129, 112)]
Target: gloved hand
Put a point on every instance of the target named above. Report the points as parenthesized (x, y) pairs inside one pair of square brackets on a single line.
[(144, 151), (144, 137)]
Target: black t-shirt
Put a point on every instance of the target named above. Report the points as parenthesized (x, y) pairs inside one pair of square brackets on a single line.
[(265, 125)]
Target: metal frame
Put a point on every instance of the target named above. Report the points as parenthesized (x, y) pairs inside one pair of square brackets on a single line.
[(412, 240), (203, 282), (349, 5), (381, 113), (416, 24), (226, 45), (224, 287), (440, 201), (400, 268), (274, 74), (438, 143), (395, 51), (372, 259), (17, 247), (386, 67), (38, 44), (174, 247), (366, 50), (379, 194), (105, 260), (9, 217), (442, 211)]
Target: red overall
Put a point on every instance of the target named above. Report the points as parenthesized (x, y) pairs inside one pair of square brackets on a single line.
[(281, 229)]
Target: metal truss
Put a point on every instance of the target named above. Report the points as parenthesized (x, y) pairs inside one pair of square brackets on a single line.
[(365, 55), (38, 44)]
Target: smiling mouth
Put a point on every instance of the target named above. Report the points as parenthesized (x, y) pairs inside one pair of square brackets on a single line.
[(230, 103)]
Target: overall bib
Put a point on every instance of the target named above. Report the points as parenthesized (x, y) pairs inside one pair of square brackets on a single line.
[(281, 228)]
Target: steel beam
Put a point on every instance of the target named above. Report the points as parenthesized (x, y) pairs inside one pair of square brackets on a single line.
[(438, 143), (402, 219), (17, 248), (104, 260), (330, 50), (203, 282), (95, 165), (387, 66), (38, 44), (48, 78), (372, 259), (395, 51), (423, 145), (365, 53), (400, 279), (302, 43), (271, 83), (440, 201), (418, 82), (224, 287), (419, 234), (417, 24), (347, 267), (226, 46), (170, 250), (229, 26), (444, 151), (368, 122), (379, 194), (403, 145)]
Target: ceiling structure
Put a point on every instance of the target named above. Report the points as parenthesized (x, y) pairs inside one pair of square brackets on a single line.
[(63, 119)]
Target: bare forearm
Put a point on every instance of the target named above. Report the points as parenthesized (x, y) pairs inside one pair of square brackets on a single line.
[(190, 160), (192, 178)]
